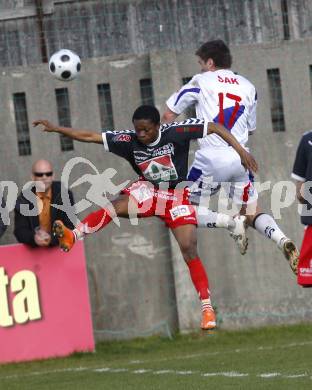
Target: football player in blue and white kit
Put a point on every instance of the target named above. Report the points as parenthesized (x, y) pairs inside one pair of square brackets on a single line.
[(224, 97)]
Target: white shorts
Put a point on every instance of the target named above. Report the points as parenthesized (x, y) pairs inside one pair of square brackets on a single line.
[(218, 167)]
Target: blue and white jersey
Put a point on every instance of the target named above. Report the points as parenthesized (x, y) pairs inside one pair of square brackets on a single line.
[(221, 97)]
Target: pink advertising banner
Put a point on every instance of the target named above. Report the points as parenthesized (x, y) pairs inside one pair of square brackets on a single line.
[(44, 303)]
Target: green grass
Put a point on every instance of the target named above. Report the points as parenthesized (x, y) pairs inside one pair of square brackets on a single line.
[(266, 358)]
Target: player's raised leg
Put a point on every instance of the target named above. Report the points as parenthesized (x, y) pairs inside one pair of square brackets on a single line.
[(95, 221), (212, 170), (187, 240), (237, 225), (267, 226)]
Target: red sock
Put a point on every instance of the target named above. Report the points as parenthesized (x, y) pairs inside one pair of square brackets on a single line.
[(199, 277), (96, 221)]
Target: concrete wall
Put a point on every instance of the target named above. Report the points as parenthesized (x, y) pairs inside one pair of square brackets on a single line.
[(108, 27), (139, 283)]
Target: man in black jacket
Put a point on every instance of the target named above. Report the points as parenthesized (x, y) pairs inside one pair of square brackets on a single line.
[(34, 213), (3, 226)]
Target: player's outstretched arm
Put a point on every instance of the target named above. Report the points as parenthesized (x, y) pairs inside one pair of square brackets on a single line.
[(247, 159), (168, 116), (81, 135)]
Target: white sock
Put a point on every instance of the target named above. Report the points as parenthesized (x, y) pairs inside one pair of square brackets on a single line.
[(267, 226), (80, 231), (206, 304), (211, 219)]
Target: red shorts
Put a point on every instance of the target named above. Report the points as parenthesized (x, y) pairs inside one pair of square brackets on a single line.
[(305, 260), (171, 205)]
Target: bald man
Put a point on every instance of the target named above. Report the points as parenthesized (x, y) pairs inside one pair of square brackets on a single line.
[(34, 229)]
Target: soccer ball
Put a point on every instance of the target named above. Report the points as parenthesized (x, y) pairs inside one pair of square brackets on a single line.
[(65, 65)]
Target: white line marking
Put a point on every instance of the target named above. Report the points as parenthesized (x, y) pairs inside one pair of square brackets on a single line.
[(177, 357), (241, 350), (104, 369), (226, 374), (108, 370), (141, 371), (296, 376), (270, 375), (234, 374)]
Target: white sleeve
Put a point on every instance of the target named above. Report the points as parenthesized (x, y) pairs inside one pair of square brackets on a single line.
[(185, 97), (252, 120), (106, 148)]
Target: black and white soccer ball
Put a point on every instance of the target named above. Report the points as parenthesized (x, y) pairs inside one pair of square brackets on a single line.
[(65, 65)]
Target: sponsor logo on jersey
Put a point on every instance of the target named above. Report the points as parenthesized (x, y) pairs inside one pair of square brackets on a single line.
[(165, 149), (122, 138), (306, 271), (140, 155), (180, 211), (142, 193), (159, 169)]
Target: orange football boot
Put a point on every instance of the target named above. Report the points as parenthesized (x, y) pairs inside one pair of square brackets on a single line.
[(208, 319), (64, 235)]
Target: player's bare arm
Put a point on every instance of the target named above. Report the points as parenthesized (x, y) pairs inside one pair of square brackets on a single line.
[(300, 191), (248, 160), (81, 135), (168, 116)]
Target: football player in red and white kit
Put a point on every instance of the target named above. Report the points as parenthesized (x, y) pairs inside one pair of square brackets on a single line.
[(224, 97), (159, 154)]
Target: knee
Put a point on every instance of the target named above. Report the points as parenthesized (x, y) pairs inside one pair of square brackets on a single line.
[(189, 248), (121, 207), (250, 219)]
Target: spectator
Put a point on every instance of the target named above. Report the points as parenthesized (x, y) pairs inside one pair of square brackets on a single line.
[(35, 230), (3, 226), (302, 173)]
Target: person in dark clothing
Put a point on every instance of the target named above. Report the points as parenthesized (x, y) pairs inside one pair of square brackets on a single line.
[(3, 226), (302, 173), (35, 228), (159, 154)]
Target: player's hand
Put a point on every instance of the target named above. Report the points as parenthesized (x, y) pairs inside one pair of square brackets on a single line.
[(248, 161), (47, 126), (41, 240)]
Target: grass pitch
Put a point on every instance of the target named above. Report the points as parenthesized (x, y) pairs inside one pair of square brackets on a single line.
[(266, 358)]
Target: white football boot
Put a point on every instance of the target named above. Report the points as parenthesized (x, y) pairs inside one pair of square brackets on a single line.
[(238, 233), (291, 253)]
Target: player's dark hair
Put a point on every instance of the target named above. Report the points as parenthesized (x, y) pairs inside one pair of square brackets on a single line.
[(147, 112), (218, 51)]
